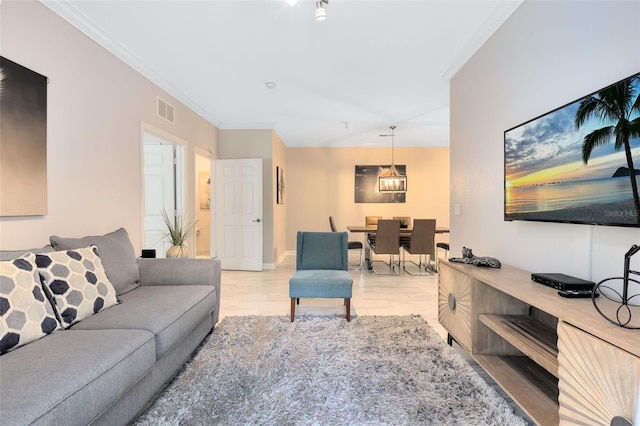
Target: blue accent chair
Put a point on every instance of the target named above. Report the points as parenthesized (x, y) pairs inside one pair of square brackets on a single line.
[(321, 269)]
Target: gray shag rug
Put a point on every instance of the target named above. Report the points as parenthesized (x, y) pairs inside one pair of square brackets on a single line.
[(387, 370)]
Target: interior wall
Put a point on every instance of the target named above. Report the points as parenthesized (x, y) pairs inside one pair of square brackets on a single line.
[(279, 210), (545, 55), (95, 107), (321, 183), (256, 143)]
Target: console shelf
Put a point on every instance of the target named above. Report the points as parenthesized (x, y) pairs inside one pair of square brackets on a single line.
[(556, 357), (536, 340), (526, 382)]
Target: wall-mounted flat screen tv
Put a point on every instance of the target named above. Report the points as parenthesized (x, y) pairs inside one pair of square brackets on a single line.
[(579, 163)]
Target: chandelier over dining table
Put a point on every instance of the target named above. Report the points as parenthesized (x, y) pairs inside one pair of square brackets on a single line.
[(392, 181)]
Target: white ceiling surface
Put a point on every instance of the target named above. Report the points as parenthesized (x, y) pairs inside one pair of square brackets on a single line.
[(340, 82)]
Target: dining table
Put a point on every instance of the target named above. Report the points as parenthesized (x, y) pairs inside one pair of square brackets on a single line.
[(371, 229)]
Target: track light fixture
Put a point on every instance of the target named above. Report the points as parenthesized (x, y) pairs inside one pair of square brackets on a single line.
[(321, 10)]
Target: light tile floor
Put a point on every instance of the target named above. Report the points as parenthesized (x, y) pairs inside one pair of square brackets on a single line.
[(267, 293)]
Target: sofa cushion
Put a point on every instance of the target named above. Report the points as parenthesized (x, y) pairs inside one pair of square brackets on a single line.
[(76, 283), (25, 313), (116, 252), (169, 312), (321, 283), (14, 254), (70, 376)]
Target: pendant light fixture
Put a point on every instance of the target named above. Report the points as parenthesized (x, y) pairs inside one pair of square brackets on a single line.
[(392, 181)]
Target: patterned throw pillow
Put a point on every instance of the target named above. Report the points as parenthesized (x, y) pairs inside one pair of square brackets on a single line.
[(76, 283), (116, 253), (25, 313)]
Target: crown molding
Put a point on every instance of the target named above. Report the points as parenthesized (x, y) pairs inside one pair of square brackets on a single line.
[(75, 17), (482, 34), (247, 126)]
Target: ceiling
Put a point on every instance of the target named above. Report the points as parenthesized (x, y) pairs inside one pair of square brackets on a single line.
[(340, 82)]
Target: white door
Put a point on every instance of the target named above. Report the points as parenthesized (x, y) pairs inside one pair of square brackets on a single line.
[(238, 218), (160, 194)]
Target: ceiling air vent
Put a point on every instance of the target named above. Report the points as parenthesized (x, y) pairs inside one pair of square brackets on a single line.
[(165, 110)]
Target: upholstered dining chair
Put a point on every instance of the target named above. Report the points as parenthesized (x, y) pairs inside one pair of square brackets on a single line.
[(351, 245), (321, 269), (444, 246), (422, 243), (405, 222), (387, 242), (371, 221)]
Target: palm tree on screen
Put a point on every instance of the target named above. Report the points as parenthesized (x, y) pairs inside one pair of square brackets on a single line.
[(615, 104)]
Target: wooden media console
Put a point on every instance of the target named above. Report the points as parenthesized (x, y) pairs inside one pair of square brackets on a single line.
[(558, 358)]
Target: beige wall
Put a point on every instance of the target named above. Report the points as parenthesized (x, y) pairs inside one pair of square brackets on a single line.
[(545, 55), (320, 183), (96, 105), (279, 210)]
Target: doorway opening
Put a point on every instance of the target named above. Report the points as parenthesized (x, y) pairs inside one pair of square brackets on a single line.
[(203, 205), (164, 188)]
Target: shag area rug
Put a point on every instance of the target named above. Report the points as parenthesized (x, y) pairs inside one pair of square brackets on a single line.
[(387, 370)]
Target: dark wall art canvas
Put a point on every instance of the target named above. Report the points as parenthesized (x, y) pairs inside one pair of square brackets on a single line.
[(23, 141), (366, 184), (578, 163), (280, 187)]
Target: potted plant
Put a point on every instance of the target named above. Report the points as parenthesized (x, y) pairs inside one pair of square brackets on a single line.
[(178, 233)]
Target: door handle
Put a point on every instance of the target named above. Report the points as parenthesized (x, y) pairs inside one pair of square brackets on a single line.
[(257, 220)]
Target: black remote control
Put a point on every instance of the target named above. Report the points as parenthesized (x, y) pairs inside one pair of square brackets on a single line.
[(576, 293)]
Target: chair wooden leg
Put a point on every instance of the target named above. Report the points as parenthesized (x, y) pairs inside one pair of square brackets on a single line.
[(347, 303), (293, 308)]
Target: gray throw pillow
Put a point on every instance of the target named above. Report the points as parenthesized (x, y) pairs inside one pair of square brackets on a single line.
[(14, 254), (117, 255)]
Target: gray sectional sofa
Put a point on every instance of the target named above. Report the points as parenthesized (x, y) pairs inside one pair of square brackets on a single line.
[(105, 368)]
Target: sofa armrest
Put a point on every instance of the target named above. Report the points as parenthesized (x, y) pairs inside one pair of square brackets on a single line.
[(158, 272)]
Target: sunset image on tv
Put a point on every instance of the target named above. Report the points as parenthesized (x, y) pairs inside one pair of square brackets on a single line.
[(579, 163)]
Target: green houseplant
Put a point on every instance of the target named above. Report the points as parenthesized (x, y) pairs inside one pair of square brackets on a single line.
[(179, 230)]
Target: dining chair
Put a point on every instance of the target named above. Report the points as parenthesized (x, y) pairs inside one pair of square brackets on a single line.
[(405, 222), (445, 247), (422, 243), (371, 221), (351, 245), (387, 241)]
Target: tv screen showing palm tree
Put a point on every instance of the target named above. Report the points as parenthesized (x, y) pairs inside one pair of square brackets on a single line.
[(578, 163)]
